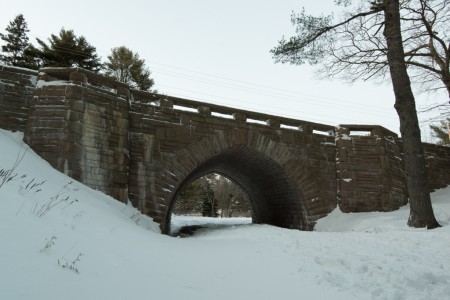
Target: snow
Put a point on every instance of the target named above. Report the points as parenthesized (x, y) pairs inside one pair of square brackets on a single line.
[(344, 137), (178, 222), (42, 83), (89, 246)]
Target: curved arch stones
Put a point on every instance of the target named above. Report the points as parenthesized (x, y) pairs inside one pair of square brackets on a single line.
[(284, 184), (277, 182)]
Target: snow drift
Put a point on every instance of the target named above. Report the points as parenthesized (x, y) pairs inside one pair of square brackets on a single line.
[(62, 240)]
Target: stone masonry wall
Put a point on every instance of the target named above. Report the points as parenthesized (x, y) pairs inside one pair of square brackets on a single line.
[(16, 88), (438, 166), (369, 169), (81, 130)]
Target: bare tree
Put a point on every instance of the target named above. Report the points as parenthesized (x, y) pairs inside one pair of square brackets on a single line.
[(368, 43), (232, 200), (357, 49)]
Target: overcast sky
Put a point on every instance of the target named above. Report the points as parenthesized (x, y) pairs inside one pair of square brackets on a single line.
[(216, 51)]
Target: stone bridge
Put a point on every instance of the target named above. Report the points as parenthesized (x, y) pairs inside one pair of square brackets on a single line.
[(147, 148)]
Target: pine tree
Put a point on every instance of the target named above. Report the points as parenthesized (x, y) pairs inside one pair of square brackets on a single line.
[(187, 201), (209, 203), (125, 66), (67, 50), (15, 51), (198, 198), (441, 132)]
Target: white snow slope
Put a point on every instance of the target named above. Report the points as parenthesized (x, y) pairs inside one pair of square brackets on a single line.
[(89, 246)]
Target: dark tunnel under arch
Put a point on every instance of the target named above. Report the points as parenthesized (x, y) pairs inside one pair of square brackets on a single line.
[(273, 195)]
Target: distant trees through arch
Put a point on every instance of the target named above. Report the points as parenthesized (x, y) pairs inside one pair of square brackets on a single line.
[(213, 195)]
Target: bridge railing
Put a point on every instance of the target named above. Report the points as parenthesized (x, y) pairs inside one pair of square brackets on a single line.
[(364, 130), (244, 116), (109, 85)]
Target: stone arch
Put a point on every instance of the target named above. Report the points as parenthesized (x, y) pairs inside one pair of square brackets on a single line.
[(275, 180)]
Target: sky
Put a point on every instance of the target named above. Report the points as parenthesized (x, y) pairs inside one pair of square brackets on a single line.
[(218, 52)]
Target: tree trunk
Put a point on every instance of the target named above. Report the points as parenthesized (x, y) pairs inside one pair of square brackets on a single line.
[(447, 85), (421, 211)]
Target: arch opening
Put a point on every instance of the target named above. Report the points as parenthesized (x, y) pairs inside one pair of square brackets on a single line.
[(272, 194), (212, 200), (213, 195)]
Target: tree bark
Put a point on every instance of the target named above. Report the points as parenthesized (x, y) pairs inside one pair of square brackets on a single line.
[(421, 211), (447, 85)]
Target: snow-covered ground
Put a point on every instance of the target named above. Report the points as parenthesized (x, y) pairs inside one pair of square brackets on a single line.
[(62, 240)]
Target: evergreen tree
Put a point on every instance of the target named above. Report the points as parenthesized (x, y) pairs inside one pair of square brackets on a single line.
[(209, 203), (125, 66), (15, 51), (442, 133), (187, 202), (198, 198), (67, 50)]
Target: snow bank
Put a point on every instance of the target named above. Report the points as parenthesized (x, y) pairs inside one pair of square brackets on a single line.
[(89, 246)]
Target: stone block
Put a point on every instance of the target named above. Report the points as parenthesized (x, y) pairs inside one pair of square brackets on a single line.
[(77, 77), (240, 117), (165, 103), (77, 105), (73, 116), (161, 133), (204, 110), (123, 92), (120, 177), (185, 119), (74, 92), (274, 123)]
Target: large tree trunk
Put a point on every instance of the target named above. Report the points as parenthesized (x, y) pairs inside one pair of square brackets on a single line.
[(421, 211), (447, 84)]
